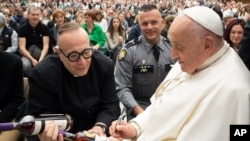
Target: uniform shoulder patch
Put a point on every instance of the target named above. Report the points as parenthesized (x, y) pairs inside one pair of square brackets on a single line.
[(122, 54)]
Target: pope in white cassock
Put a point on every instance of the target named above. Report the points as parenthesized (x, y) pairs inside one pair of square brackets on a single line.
[(206, 91)]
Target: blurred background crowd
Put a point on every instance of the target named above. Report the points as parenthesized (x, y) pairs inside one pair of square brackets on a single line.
[(16, 12)]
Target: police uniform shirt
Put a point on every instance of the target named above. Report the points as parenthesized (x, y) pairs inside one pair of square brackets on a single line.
[(137, 73)]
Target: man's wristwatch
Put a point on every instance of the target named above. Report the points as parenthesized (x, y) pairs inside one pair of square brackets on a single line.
[(102, 125)]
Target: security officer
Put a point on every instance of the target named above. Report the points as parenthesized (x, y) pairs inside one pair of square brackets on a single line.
[(142, 63)]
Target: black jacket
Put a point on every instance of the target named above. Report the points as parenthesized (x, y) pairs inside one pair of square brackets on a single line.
[(11, 86), (134, 33), (13, 25), (88, 99), (244, 51), (5, 38)]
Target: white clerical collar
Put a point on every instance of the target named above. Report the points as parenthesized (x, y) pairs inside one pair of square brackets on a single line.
[(215, 57)]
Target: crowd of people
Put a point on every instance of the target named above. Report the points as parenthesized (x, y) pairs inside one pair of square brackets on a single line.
[(170, 64)]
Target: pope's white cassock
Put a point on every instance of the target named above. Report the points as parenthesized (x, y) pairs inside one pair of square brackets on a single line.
[(200, 106)]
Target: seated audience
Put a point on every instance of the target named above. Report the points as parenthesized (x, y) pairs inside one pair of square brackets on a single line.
[(115, 37), (95, 32), (233, 33), (59, 19), (33, 38), (8, 36), (168, 21)]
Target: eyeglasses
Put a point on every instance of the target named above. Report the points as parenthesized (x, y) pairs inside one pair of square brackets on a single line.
[(75, 56)]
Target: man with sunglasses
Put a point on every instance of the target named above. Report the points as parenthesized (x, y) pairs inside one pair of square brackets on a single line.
[(77, 81)]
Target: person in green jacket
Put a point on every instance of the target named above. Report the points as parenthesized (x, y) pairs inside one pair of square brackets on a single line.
[(95, 32)]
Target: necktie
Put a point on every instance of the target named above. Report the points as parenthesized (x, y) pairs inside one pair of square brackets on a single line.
[(156, 52)]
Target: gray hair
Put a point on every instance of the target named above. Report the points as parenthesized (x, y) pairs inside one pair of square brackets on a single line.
[(33, 8)]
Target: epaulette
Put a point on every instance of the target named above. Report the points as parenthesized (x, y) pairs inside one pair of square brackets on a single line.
[(133, 42), (166, 40)]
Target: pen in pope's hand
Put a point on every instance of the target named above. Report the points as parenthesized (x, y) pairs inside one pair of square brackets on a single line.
[(121, 116)]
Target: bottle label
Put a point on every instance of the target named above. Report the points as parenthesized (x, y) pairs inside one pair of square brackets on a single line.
[(37, 128), (40, 125), (62, 124)]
